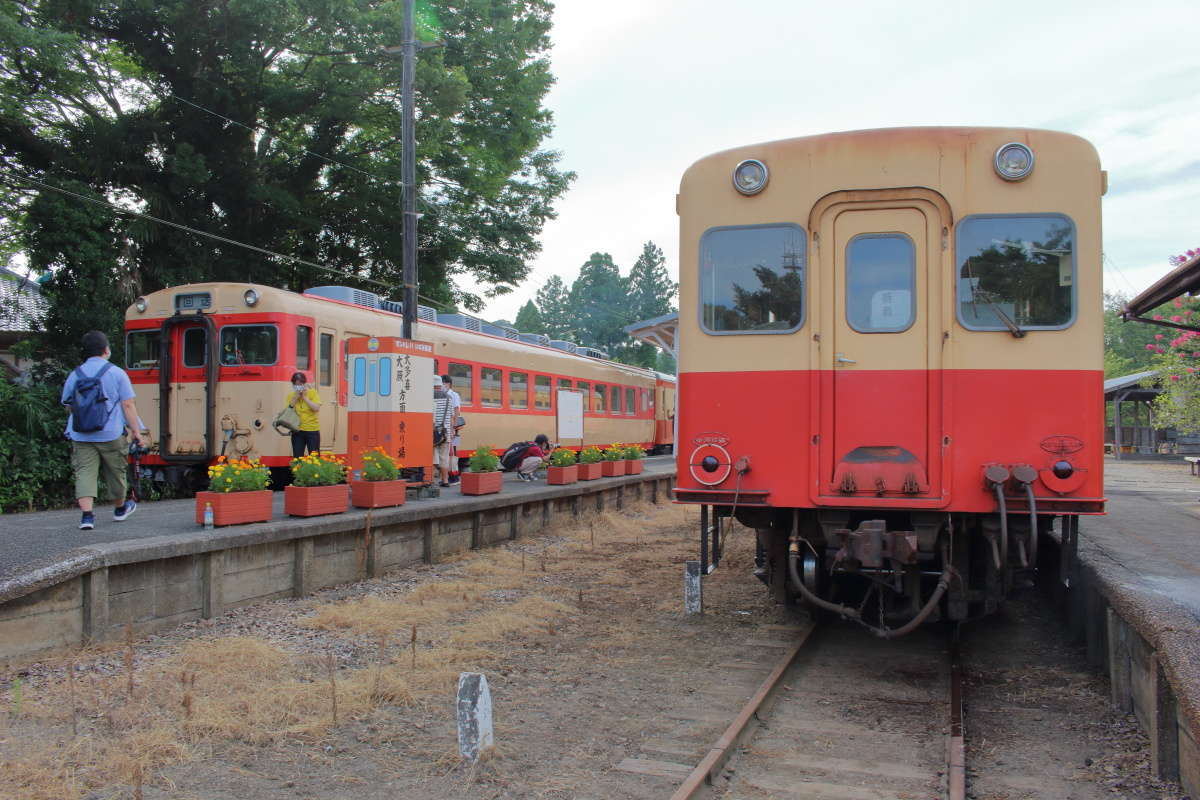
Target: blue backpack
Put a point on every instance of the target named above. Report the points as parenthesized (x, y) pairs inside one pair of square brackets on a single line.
[(89, 411)]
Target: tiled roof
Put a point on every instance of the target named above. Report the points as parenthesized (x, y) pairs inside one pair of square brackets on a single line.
[(21, 303)]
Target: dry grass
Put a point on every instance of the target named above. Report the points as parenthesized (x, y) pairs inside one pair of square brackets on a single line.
[(76, 735)]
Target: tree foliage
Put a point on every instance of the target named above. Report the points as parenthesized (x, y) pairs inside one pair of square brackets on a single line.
[(1125, 343), (554, 302), (275, 123), (1177, 361), (529, 319)]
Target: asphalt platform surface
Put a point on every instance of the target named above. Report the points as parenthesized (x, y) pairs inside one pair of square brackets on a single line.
[(41, 539)]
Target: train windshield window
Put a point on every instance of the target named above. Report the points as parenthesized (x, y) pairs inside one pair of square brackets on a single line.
[(249, 344), (326, 359), (630, 401), (599, 405), (541, 392), (881, 276), (460, 381), (303, 348), (385, 377), (490, 387), (141, 350), (585, 390), (1016, 271), (518, 390), (359, 370), (195, 347), (752, 279)]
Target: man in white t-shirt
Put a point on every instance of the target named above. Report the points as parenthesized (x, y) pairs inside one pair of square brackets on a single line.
[(455, 413)]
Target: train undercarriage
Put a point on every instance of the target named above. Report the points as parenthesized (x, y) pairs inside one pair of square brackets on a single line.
[(890, 571)]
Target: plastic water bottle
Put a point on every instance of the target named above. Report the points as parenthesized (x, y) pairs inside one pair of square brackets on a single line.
[(208, 516)]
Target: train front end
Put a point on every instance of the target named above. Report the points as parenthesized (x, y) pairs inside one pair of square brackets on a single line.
[(891, 361)]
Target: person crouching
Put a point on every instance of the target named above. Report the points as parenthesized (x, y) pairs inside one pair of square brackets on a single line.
[(535, 456)]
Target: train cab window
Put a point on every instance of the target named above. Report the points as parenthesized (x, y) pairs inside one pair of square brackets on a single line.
[(461, 380), (141, 350), (752, 279), (385, 377), (600, 397), (630, 401), (359, 372), (616, 400), (303, 348), (1016, 272), (541, 392), (881, 279), (518, 390), (490, 395), (195, 347), (249, 344), (326, 357), (585, 390)]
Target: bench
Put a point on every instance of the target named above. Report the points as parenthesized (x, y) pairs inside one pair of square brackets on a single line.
[(1193, 462)]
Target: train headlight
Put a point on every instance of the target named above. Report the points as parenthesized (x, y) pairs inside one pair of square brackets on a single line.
[(1063, 469), (140, 305), (750, 176), (251, 297), (1013, 161)]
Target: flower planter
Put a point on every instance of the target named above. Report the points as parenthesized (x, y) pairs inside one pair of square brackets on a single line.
[(634, 466), (313, 501), (481, 482), (561, 476), (234, 508), (377, 494), (589, 472), (613, 469)]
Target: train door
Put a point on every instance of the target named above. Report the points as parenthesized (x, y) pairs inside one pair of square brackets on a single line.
[(880, 407), (187, 402), (327, 385)]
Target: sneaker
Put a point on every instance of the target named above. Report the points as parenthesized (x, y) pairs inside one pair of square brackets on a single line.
[(121, 514), (521, 476), (87, 521)]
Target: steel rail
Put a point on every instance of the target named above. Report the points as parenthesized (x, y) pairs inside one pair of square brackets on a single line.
[(723, 748), (956, 759)]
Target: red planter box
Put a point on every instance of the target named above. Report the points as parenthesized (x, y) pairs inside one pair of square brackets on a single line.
[(377, 494), (589, 472), (313, 501), (562, 476), (634, 466), (234, 508), (613, 469), (481, 482)]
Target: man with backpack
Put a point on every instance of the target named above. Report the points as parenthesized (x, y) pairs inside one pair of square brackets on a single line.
[(526, 457), (100, 398)]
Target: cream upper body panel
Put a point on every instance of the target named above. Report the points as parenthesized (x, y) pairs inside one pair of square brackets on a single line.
[(955, 163)]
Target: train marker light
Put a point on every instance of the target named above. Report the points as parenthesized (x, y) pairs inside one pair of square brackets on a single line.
[(251, 297), (750, 176), (140, 305), (1013, 161), (1063, 469)]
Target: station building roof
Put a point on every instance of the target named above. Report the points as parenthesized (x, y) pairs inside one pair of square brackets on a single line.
[(1184, 279), (1136, 386), (659, 331)]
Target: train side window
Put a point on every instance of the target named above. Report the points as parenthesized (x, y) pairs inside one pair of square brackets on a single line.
[(881, 280), (541, 392), (563, 383), (326, 357), (490, 395), (303, 348), (616, 400), (585, 390), (461, 381), (752, 279), (630, 401), (249, 344), (518, 390), (141, 350), (600, 396), (385, 377), (195, 347), (359, 371), (1016, 270)]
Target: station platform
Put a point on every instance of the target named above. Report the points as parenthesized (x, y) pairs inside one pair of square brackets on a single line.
[(1135, 599)]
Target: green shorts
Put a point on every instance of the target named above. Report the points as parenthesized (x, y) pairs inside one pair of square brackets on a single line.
[(89, 459)]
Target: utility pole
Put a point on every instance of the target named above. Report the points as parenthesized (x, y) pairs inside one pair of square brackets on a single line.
[(408, 171)]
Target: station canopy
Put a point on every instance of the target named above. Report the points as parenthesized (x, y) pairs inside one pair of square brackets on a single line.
[(660, 331), (1184, 279)]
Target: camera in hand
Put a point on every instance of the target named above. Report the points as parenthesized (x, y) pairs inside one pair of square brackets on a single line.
[(137, 450)]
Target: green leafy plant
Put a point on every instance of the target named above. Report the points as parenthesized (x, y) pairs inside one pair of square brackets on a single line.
[(239, 475), (379, 466), (562, 457), (590, 455), (318, 469), (615, 452), (634, 452), (484, 460)]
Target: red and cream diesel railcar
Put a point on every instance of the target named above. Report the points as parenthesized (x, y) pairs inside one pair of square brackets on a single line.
[(212, 363), (890, 360)]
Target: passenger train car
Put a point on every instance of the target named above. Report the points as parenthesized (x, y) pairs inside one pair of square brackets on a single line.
[(890, 361), (211, 365)]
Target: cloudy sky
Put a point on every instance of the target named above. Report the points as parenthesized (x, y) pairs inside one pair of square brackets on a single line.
[(646, 87)]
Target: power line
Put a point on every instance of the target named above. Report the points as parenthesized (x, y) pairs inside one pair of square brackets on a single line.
[(1113, 264)]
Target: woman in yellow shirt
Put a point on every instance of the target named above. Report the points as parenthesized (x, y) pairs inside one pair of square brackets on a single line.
[(307, 402)]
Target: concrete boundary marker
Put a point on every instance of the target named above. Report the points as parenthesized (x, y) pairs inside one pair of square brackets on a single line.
[(92, 593)]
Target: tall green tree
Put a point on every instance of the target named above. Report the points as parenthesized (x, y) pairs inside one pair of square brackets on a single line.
[(1128, 346), (554, 303), (651, 294), (529, 319), (274, 123), (599, 304)]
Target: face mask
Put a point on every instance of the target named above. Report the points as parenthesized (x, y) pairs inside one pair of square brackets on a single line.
[(297, 386)]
